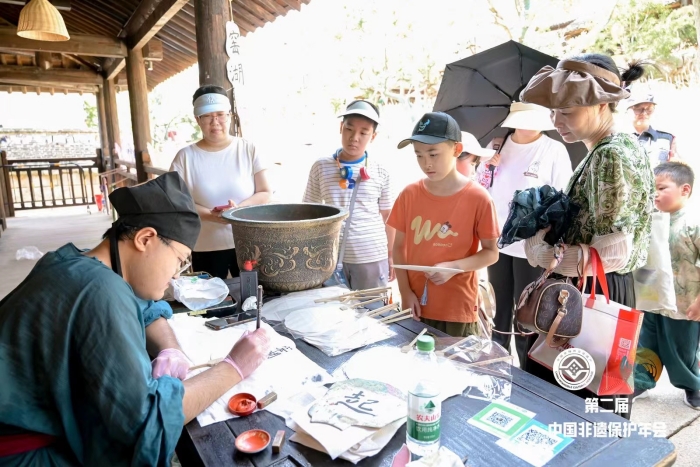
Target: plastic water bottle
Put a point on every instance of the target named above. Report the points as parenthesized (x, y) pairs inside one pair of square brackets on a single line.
[(423, 425)]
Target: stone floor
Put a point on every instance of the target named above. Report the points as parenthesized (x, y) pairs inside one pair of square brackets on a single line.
[(46, 229)]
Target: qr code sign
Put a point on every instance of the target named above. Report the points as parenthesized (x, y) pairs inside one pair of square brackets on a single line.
[(534, 437), (500, 419), (625, 343)]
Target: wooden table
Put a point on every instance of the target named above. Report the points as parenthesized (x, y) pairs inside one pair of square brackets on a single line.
[(214, 445)]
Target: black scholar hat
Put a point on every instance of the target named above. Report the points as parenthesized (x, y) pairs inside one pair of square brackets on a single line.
[(164, 204), (434, 128)]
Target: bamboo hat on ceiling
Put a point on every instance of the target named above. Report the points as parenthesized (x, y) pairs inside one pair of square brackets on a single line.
[(41, 21)]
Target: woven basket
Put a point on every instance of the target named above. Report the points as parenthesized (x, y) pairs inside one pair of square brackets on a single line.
[(41, 21)]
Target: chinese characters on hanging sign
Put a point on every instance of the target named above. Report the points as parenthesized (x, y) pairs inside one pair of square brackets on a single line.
[(234, 67), (358, 402)]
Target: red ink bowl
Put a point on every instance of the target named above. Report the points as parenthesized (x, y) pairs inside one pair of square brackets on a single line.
[(242, 404), (253, 441)]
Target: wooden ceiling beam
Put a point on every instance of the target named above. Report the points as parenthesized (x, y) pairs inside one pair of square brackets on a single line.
[(296, 4), (112, 67), (80, 44), (158, 18), (244, 19), (61, 5), (54, 76), (257, 10), (43, 60)]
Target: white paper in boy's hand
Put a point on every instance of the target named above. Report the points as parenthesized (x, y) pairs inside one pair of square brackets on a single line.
[(535, 444)]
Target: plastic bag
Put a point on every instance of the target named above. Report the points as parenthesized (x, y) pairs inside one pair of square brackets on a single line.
[(488, 363), (334, 329), (653, 283), (196, 293), (31, 253)]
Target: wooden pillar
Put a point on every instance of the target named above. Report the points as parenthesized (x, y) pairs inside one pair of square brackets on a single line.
[(105, 143), (138, 101), (6, 186), (210, 18), (112, 119)]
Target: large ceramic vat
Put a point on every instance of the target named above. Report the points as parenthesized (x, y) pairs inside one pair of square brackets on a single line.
[(295, 245)]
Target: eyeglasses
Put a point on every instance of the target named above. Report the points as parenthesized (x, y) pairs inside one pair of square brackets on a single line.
[(643, 110), (184, 264), (209, 118)]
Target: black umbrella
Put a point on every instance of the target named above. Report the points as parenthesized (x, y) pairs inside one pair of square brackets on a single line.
[(478, 90)]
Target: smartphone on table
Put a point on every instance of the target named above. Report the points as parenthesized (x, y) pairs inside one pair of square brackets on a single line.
[(228, 321)]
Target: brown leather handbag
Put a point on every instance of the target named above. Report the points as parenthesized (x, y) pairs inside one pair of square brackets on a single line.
[(553, 307)]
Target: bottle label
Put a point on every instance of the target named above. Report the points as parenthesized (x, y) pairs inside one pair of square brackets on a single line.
[(423, 418)]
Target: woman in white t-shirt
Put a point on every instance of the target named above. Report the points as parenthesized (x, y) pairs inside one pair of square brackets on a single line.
[(528, 158), (221, 171)]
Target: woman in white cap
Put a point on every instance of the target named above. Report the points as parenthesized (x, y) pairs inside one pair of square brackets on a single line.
[(527, 158), (221, 171)]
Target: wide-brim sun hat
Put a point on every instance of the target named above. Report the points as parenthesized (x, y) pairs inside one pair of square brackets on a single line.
[(532, 117), (471, 145)]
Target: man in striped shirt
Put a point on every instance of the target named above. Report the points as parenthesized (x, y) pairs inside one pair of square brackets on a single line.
[(367, 263)]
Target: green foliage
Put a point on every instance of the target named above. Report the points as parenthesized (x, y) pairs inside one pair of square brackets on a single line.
[(90, 115), (650, 31)]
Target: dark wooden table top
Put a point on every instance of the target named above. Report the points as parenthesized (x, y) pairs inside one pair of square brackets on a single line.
[(214, 445)]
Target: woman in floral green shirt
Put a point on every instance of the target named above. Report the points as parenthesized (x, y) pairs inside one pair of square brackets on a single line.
[(613, 185)]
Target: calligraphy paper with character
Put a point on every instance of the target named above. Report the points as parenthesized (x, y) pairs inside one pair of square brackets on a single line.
[(286, 371), (359, 402)]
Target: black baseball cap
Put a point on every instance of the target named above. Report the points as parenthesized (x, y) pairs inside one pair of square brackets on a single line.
[(164, 203), (434, 128)]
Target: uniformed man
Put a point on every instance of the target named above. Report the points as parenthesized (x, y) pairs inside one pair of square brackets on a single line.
[(660, 145), (77, 383)]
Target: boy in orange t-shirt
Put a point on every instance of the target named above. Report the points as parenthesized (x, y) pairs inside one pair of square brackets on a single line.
[(440, 222)]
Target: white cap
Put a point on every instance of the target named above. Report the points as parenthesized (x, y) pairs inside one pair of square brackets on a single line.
[(640, 99), (532, 117), (471, 145), (212, 102), (363, 108)]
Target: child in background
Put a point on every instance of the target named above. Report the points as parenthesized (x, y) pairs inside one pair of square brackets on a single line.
[(472, 155), (674, 336), (439, 222), (367, 261)]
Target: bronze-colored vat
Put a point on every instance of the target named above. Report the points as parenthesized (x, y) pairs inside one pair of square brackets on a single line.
[(295, 245)]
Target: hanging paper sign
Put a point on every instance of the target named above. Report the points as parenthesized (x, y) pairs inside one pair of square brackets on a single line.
[(234, 71), (233, 35), (234, 67)]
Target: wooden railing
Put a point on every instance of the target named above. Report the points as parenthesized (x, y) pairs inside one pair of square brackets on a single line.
[(49, 183), (124, 174)]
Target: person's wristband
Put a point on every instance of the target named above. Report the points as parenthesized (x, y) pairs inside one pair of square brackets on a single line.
[(230, 361)]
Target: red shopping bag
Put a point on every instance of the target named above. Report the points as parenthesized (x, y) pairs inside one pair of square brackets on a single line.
[(609, 333)]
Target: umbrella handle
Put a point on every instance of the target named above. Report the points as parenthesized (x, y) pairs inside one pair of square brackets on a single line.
[(492, 169)]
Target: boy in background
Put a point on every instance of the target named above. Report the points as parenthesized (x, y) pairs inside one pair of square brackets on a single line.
[(368, 252), (439, 222), (674, 336)]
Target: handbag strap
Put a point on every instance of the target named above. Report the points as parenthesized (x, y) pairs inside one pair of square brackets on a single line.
[(583, 265), (598, 273), (552, 340), (353, 197)]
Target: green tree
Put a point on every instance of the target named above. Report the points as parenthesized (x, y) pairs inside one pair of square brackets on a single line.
[(651, 31), (90, 115)]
